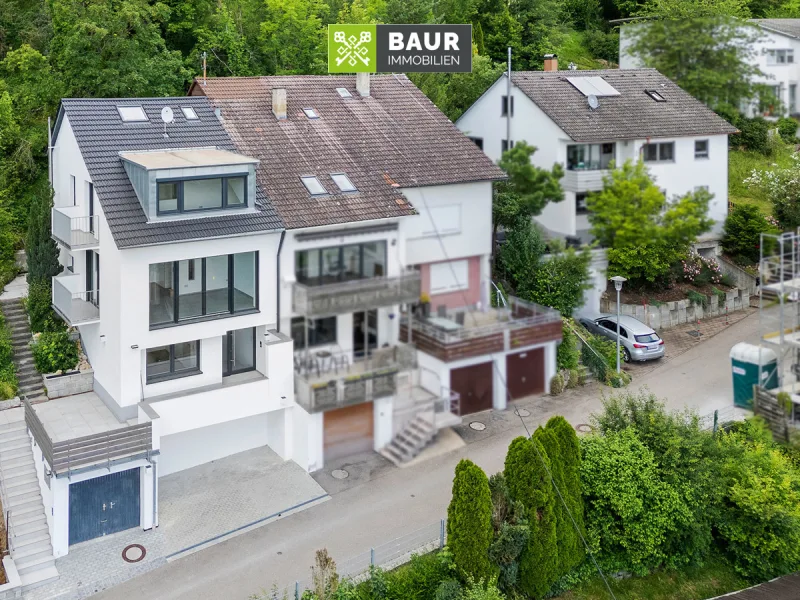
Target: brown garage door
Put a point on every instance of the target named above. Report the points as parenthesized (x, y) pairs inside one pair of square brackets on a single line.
[(348, 430), (474, 384), (525, 373)]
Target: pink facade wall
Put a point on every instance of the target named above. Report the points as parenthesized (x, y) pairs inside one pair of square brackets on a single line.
[(458, 298)]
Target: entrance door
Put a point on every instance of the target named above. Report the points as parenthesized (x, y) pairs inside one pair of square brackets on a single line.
[(239, 351), (525, 373), (103, 505), (474, 384), (365, 332)]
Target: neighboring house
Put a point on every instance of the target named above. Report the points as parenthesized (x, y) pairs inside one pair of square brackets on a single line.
[(383, 200), (587, 120), (171, 256)]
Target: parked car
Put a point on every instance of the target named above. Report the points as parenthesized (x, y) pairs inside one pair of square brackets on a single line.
[(637, 340)]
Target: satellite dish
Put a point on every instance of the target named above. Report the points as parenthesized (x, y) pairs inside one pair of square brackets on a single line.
[(166, 114), (593, 101)]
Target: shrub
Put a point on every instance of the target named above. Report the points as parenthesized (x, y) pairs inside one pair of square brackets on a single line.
[(697, 298), (511, 532), (600, 356), (563, 523), (55, 351), (477, 590), (753, 135), (450, 589), (39, 307), (782, 186), (41, 249), (742, 234), (8, 377), (421, 578), (568, 352), (574, 379), (700, 270), (469, 521), (557, 384), (787, 129)]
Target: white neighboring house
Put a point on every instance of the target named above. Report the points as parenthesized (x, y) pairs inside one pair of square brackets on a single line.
[(178, 319)]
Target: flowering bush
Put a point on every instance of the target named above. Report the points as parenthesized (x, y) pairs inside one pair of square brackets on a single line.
[(701, 270), (782, 187)]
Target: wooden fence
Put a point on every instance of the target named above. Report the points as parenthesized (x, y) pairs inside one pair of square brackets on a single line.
[(766, 405)]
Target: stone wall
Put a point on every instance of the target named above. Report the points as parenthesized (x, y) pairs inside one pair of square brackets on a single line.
[(741, 278), (678, 312), (58, 386)]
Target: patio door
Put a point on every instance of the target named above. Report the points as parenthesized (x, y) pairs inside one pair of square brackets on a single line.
[(239, 351), (92, 277), (365, 332)]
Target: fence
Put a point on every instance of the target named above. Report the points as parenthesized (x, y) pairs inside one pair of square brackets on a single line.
[(386, 556), (720, 418)]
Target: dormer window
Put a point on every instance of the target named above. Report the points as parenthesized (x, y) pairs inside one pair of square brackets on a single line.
[(311, 113), (343, 182), (314, 187), (189, 113), (131, 114), (201, 193)]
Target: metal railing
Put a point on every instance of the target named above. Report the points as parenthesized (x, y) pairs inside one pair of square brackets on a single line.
[(75, 232), (90, 450), (75, 307), (356, 295)]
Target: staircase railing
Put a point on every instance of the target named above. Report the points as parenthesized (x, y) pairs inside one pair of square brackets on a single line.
[(596, 363)]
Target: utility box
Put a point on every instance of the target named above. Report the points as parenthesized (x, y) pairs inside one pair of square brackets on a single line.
[(746, 362)]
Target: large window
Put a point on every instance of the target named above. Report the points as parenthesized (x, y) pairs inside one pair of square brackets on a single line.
[(321, 332), (175, 360), (660, 152), (239, 351), (589, 157), (780, 57), (203, 287), (191, 195), (342, 263)]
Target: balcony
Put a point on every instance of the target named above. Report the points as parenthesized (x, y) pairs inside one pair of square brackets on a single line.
[(76, 306), (583, 180), (328, 380), (73, 231), (453, 335), (357, 295)]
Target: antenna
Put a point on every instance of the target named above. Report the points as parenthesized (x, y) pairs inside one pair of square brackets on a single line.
[(594, 103), (205, 54), (167, 117)]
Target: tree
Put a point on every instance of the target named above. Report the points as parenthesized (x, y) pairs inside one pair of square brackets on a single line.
[(469, 521), (742, 234), (294, 37), (563, 524), (526, 473), (41, 249), (645, 234)]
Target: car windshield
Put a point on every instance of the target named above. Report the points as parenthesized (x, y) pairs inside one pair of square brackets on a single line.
[(647, 337)]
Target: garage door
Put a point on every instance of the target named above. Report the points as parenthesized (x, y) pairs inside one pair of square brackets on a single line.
[(103, 505), (525, 373), (474, 384), (348, 430)]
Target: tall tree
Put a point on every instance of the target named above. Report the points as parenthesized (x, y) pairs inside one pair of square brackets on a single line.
[(41, 249), (294, 37)]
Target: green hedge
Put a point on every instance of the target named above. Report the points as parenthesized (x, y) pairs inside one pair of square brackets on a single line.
[(8, 374), (39, 307), (55, 351)]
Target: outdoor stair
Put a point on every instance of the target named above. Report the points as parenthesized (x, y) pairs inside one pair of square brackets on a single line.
[(410, 441), (28, 378), (586, 373), (29, 535)]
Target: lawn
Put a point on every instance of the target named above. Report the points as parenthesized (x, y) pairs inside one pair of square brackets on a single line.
[(692, 583), (741, 164)]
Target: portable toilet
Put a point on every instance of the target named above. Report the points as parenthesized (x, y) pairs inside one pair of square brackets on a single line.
[(745, 361)]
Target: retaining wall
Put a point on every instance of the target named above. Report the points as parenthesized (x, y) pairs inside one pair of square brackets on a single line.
[(58, 386)]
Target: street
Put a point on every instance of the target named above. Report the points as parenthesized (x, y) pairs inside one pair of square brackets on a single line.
[(396, 501)]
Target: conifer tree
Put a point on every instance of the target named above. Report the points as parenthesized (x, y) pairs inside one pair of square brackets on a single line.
[(40, 248)]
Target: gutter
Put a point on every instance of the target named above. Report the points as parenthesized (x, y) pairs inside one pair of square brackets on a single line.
[(278, 282)]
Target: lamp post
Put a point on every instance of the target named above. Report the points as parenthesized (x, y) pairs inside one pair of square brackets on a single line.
[(618, 281)]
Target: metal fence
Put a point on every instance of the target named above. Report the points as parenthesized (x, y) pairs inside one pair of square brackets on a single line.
[(720, 418), (387, 556)]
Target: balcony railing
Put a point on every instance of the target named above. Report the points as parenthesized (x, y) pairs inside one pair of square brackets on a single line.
[(583, 180), (75, 307), (356, 295), (330, 380), (75, 232)]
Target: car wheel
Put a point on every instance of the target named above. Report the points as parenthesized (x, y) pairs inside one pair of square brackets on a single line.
[(626, 355)]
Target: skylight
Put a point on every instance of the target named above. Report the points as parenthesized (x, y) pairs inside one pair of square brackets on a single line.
[(343, 182), (189, 113), (311, 113), (313, 185), (344, 92), (593, 86), (655, 96), (131, 113)]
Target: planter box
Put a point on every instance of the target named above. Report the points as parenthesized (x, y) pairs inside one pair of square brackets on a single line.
[(12, 589), (68, 384)]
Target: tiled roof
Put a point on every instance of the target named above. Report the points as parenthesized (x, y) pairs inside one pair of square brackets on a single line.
[(101, 135), (631, 115), (394, 138), (788, 27)]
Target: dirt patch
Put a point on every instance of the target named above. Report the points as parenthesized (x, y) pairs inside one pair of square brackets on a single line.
[(3, 546), (677, 291)]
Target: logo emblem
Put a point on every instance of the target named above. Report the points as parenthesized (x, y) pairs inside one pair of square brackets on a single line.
[(351, 49)]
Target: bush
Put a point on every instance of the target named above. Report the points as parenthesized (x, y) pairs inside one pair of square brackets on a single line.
[(742, 233), (477, 590), (511, 532), (55, 351), (697, 298), (574, 379), (450, 589), (601, 44), (469, 521), (753, 135), (39, 307), (787, 129), (8, 377), (600, 356), (568, 352), (557, 384)]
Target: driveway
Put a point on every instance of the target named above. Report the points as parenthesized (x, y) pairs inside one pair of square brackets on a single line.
[(380, 504)]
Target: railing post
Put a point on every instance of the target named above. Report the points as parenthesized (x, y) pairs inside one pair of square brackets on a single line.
[(441, 534), (372, 557), (296, 590)]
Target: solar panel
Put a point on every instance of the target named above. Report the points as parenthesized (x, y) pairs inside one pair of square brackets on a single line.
[(593, 86)]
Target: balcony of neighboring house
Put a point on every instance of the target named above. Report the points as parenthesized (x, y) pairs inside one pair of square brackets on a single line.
[(451, 335), (73, 230), (587, 164), (75, 304)]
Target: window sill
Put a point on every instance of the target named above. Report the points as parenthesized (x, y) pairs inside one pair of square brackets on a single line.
[(251, 311), (173, 376)]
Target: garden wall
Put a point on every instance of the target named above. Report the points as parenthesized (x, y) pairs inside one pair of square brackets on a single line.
[(77, 382), (678, 312), (741, 278)]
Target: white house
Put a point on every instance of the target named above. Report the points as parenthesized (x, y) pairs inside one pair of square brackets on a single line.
[(587, 120), (384, 201)]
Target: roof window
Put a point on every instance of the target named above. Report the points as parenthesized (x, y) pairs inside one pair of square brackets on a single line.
[(189, 113), (131, 113), (593, 86), (314, 187), (655, 95), (311, 113), (343, 182), (344, 92)]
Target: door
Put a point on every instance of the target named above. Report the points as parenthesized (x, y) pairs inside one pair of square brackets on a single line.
[(474, 385), (348, 431), (365, 332), (239, 351), (103, 505), (525, 373), (91, 207), (92, 277)]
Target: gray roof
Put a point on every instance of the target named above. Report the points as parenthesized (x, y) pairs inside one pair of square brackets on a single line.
[(101, 135), (631, 115), (395, 138), (788, 27)]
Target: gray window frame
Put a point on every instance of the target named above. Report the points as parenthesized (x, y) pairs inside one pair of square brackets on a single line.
[(173, 374), (703, 155), (223, 178), (658, 146)]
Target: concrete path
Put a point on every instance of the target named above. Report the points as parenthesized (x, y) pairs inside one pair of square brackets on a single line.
[(378, 503), (17, 288)]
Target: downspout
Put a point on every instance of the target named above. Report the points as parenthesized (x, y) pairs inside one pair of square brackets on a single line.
[(508, 103), (278, 286)]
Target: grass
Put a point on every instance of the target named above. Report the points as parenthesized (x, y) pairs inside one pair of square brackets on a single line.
[(690, 583), (741, 164)]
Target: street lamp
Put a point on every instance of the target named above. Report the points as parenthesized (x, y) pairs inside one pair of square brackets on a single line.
[(618, 281)]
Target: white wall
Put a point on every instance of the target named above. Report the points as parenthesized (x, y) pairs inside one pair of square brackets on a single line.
[(383, 413)]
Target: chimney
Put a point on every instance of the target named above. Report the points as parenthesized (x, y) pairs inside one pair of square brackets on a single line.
[(279, 103), (362, 83), (550, 62)]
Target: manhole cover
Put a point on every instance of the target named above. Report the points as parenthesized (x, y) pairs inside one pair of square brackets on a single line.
[(584, 428), (133, 553), (477, 426), (339, 474), (694, 333), (521, 412)]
